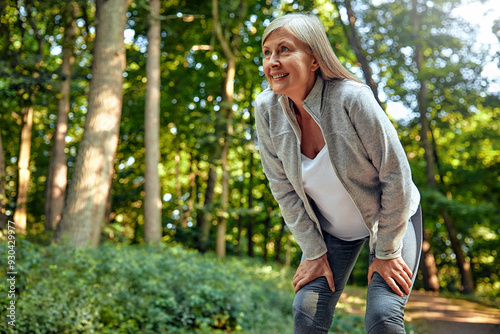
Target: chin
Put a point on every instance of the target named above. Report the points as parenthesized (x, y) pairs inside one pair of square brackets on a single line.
[(276, 90)]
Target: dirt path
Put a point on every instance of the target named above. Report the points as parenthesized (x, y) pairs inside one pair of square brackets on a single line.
[(432, 314)]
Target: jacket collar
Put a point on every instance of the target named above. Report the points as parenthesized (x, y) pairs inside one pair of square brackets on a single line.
[(312, 103)]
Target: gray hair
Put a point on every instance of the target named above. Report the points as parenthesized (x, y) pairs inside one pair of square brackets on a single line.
[(309, 29)]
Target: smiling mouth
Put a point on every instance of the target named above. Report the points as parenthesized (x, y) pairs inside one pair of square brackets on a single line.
[(280, 76)]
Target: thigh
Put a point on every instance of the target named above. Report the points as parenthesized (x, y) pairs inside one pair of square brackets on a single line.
[(314, 304), (384, 308)]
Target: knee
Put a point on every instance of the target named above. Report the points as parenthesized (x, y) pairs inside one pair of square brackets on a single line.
[(305, 307), (305, 318), (313, 308), (384, 319)]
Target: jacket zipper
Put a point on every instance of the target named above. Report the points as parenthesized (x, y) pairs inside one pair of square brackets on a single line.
[(306, 202), (329, 158), (336, 172)]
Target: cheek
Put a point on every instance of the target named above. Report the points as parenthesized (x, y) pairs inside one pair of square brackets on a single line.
[(265, 66), (266, 71)]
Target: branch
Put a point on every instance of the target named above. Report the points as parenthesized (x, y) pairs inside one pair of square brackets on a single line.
[(218, 31)]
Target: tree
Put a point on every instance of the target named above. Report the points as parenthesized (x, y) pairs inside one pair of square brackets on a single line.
[(27, 96), (57, 179), (84, 210), (354, 41), (226, 112), (427, 62), (464, 266), (20, 216), (429, 270), (152, 200)]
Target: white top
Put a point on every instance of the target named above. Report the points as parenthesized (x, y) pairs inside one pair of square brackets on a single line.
[(323, 186)]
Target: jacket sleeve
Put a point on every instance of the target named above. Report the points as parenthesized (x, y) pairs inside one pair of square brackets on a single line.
[(382, 145), (303, 228)]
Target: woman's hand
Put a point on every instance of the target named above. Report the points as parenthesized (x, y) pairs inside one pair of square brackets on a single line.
[(309, 270), (392, 271)]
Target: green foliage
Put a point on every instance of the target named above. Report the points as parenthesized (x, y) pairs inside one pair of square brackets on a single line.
[(152, 289), (463, 117), (144, 289)]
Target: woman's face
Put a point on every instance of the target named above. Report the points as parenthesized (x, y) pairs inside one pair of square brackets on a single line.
[(288, 65)]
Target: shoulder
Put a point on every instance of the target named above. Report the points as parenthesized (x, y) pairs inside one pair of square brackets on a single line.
[(346, 88), (265, 102), (266, 98), (350, 94)]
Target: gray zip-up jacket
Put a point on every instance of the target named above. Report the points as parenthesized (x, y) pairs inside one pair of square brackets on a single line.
[(365, 153)]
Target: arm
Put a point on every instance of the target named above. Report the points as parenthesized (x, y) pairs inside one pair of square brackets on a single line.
[(292, 208), (383, 147), (381, 142)]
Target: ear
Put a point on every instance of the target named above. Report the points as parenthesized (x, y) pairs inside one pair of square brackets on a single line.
[(314, 65)]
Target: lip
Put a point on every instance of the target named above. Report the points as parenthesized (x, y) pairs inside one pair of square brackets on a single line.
[(279, 75)]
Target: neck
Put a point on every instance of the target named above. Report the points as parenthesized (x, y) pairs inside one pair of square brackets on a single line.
[(300, 111), (299, 98)]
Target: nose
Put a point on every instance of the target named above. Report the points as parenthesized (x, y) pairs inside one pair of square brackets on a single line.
[(274, 60)]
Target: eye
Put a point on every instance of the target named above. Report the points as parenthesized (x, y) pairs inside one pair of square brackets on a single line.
[(284, 48), (267, 53)]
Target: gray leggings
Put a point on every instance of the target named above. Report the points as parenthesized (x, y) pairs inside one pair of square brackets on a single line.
[(315, 303)]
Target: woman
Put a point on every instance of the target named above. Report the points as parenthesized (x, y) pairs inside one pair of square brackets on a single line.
[(340, 176)]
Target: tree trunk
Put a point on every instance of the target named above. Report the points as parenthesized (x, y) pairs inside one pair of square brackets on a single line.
[(20, 216), (57, 179), (430, 271), (250, 207), (428, 265), (353, 38), (204, 217), (193, 189), (83, 214), (250, 215), (267, 223), (288, 250), (223, 215), (241, 219), (227, 115), (278, 242), (251, 252), (152, 198), (3, 198), (238, 234), (462, 263), (178, 188)]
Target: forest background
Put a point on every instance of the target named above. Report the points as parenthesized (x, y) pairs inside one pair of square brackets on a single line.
[(131, 122)]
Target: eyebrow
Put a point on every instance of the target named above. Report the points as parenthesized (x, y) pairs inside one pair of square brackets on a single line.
[(279, 44)]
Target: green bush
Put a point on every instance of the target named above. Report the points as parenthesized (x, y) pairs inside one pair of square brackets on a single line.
[(144, 289), (148, 289)]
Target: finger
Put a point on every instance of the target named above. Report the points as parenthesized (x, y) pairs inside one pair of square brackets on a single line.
[(408, 270), (407, 275), (394, 287), (301, 278), (297, 272), (408, 281), (299, 286), (402, 281), (370, 274), (331, 283)]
